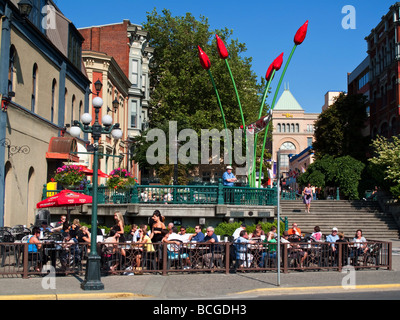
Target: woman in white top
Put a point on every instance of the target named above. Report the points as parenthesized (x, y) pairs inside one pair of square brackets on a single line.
[(359, 239)]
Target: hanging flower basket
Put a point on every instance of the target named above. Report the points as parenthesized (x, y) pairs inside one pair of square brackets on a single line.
[(69, 176), (120, 179)]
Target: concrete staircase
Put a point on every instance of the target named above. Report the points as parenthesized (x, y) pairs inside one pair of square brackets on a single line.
[(347, 216)]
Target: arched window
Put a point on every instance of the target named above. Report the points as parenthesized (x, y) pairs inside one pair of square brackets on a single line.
[(292, 127), (53, 100), (279, 127), (80, 110), (11, 69), (284, 158), (283, 127), (34, 87), (297, 127), (72, 109)]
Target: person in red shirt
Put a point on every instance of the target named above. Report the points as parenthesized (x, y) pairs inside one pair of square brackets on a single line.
[(294, 230)]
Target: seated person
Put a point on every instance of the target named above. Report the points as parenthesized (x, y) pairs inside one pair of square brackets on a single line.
[(332, 238), (183, 235), (111, 243), (174, 235), (243, 256), (134, 233), (257, 233), (44, 227), (295, 230), (70, 254), (270, 243), (34, 246), (198, 236), (316, 235), (145, 246), (212, 252), (174, 245)]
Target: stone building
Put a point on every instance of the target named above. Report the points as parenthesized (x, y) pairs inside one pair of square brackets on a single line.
[(43, 86), (293, 129)]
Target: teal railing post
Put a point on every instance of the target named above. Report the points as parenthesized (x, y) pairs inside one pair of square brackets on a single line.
[(44, 192), (135, 193), (337, 194), (220, 199)]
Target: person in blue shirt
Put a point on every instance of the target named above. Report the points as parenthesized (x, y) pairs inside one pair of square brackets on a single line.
[(332, 238), (228, 178), (199, 236), (44, 227)]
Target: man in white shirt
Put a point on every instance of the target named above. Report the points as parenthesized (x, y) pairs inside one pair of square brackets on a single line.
[(174, 235), (184, 236), (236, 234)]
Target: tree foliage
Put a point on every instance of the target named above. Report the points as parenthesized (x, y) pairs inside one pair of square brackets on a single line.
[(342, 172), (338, 130), (181, 89), (387, 158)]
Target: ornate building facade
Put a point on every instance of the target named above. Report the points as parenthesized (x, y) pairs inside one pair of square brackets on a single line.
[(43, 86)]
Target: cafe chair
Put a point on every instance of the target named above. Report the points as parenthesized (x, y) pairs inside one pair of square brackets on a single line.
[(6, 238), (174, 255)]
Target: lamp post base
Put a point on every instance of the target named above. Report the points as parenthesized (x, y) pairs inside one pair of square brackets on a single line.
[(92, 277)]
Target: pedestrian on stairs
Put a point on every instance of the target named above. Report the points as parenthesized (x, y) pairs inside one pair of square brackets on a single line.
[(307, 197)]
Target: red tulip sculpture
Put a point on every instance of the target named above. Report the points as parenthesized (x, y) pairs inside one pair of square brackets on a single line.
[(298, 39), (223, 54), (206, 64)]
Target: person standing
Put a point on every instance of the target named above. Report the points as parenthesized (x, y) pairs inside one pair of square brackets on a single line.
[(228, 180), (307, 197)]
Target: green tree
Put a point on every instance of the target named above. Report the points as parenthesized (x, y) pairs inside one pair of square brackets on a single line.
[(387, 158), (182, 90), (338, 130), (342, 172)]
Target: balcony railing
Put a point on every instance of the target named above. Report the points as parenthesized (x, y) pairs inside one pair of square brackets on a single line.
[(191, 194)]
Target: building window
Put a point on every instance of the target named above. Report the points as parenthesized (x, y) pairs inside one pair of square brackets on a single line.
[(309, 142), (279, 127), (297, 127), (135, 73), (74, 47), (38, 14), (72, 109), (34, 87), (53, 100), (11, 67), (133, 114)]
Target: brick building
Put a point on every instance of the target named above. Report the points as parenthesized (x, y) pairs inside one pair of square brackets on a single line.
[(384, 55), (127, 44)]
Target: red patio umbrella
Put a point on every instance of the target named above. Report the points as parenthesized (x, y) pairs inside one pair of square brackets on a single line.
[(89, 172), (65, 198)]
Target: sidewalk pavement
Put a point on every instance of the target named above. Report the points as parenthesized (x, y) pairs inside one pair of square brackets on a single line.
[(200, 286)]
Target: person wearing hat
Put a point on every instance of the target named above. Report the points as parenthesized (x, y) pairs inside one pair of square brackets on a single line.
[(228, 178), (332, 238)]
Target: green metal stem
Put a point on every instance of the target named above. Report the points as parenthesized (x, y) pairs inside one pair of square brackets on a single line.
[(222, 113), (238, 99), (253, 181), (273, 103)]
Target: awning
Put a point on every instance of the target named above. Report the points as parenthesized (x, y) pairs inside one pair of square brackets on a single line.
[(63, 148)]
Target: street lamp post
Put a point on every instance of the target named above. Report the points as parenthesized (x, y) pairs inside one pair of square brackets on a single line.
[(92, 276)]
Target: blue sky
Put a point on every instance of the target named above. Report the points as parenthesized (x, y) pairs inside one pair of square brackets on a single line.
[(267, 28)]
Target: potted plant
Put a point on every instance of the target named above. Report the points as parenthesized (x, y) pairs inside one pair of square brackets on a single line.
[(69, 176), (120, 180)]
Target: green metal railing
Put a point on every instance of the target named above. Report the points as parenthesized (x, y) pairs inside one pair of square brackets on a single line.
[(193, 194)]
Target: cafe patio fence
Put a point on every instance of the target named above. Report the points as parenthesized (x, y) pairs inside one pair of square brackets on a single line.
[(224, 257)]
